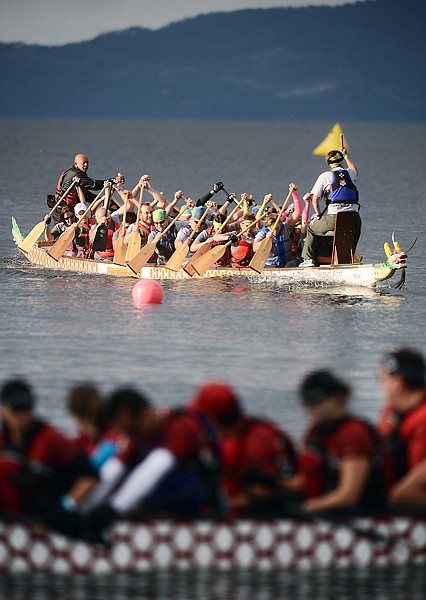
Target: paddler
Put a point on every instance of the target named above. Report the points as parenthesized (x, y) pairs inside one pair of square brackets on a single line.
[(179, 462), (103, 218), (257, 456), (42, 472), (403, 426), (67, 219), (243, 252), (194, 227), (166, 244), (283, 253), (342, 463), (217, 234)]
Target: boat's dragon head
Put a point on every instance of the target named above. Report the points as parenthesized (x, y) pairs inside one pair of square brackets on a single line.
[(397, 259)]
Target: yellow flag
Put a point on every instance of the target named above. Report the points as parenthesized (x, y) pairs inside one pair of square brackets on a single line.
[(332, 141)]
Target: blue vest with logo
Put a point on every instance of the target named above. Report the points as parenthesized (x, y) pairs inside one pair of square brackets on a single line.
[(343, 189)]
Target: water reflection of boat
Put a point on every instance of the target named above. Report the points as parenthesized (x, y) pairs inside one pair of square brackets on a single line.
[(238, 545), (364, 275)]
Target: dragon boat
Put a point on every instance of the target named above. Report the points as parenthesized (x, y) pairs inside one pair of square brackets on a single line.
[(356, 274), (264, 545)]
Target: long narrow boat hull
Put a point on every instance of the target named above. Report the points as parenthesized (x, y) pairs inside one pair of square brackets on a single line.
[(242, 544), (351, 275)]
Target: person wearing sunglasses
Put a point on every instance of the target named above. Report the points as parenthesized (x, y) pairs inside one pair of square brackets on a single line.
[(67, 220), (193, 227), (243, 252), (217, 234), (166, 241)]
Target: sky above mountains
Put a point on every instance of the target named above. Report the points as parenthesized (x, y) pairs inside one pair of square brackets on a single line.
[(57, 22)]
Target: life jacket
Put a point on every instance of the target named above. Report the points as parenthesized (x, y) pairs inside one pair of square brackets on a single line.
[(109, 250), (82, 237), (400, 434), (226, 259), (343, 189), (323, 469), (39, 480), (268, 470), (144, 228), (73, 198), (242, 254), (281, 246), (295, 246)]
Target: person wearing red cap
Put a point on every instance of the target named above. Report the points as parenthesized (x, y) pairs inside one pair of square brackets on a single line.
[(403, 426), (257, 455)]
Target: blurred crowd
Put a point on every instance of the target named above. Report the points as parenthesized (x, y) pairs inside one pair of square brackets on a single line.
[(210, 458)]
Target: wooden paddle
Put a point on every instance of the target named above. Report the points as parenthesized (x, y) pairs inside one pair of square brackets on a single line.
[(216, 253), (101, 237), (148, 250), (175, 261), (120, 248), (189, 268), (257, 263), (67, 236), (134, 241), (38, 229)]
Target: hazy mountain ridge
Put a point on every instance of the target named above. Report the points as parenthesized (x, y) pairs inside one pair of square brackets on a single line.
[(356, 62)]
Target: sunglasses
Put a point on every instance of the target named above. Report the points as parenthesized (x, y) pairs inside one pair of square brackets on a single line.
[(69, 217), (160, 222)]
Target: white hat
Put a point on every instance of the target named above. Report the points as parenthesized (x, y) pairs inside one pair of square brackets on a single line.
[(79, 207)]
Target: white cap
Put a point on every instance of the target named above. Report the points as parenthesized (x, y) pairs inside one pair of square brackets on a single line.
[(79, 207)]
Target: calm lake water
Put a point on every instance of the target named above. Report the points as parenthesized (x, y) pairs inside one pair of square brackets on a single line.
[(59, 328)]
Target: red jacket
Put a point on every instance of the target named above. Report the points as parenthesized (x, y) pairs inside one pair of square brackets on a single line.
[(259, 453), (405, 436), (326, 447)]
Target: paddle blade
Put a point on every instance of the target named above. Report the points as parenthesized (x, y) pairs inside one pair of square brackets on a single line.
[(134, 245), (120, 252), (32, 237), (101, 238), (61, 244), (257, 263), (175, 261), (142, 257), (189, 267), (205, 262)]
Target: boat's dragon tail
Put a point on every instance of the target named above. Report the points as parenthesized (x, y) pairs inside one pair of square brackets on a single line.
[(16, 232)]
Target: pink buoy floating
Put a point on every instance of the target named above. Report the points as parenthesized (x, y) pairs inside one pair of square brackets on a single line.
[(147, 291)]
